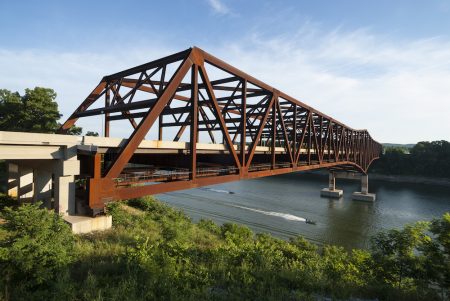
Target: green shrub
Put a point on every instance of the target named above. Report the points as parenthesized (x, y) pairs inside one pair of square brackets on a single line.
[(37, 247), (210, 226)]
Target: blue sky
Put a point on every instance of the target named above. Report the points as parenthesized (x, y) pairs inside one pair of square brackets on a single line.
[(380, 65)]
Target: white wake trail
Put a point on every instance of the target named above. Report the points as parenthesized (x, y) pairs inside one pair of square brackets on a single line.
[(286, 216)]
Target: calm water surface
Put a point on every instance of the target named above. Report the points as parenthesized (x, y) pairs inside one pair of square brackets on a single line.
[(279, 205)]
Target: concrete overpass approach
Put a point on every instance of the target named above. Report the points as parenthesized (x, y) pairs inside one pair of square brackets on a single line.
[(213, 122)]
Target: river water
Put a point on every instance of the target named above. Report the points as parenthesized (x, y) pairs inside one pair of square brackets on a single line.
[(280, 204)]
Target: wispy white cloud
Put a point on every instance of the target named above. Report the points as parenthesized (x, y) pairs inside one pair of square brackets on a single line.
[(218, 7), (399, 90)]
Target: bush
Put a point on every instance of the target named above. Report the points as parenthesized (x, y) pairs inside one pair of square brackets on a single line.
[(210, 226), (38, 245)]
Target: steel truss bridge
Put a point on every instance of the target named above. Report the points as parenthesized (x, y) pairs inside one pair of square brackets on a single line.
[(214, 124)]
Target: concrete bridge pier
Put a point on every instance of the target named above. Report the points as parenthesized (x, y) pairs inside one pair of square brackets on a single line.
[(44, 180), (364, 194), (331, 191)]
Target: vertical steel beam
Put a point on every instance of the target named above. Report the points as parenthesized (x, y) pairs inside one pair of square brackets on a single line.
[(294, 136), (97, 166), (194, 122), (107, 103), (243, 122), (311, 122), (273, 132), (160, 128)]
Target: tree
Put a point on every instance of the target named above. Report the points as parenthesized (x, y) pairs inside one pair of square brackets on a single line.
[(437, 254), (90, 133), (10, 110), (398, 262), (36, 111), (75, 130)]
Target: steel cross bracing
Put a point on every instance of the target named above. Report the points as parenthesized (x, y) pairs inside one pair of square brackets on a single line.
[(193, 96)]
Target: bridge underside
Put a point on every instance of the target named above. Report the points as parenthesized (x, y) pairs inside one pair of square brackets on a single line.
[(213, 123)]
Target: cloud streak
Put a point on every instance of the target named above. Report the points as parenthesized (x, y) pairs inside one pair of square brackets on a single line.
[(218, 7)]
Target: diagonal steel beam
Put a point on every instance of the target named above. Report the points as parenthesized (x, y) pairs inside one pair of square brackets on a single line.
[(219, 115), (252, 148), (127, 150)]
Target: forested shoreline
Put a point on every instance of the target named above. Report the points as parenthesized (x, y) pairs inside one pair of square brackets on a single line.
[(155, 252), (425, 159)]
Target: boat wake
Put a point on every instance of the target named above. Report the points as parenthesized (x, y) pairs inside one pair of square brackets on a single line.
[(217, 190), (286, 216)]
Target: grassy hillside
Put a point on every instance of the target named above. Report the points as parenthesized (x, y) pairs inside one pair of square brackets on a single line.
[(156, 253)]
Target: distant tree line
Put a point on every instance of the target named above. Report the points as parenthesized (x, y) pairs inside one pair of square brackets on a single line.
[(428, 159)]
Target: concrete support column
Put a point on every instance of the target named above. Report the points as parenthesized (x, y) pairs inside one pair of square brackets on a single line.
[(64, 182), (26, 185), (364, 194), (331, 191), (43, 186), (365, 184), (65, 195), (331, 181), (13, 179)]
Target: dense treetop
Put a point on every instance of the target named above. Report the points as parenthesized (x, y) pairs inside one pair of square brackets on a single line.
[(36, 111)]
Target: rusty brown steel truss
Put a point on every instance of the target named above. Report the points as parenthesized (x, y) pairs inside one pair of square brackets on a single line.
[(197, 96)]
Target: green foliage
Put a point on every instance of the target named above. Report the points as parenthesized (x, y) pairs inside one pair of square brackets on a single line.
[(35, 111), (74, 130), (428, 159), (90, 133), (437, 255), (210, 226), (412, 261), (37, 247), (156, 253)]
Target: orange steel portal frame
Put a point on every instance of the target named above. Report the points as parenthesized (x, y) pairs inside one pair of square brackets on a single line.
[(264, 132)]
